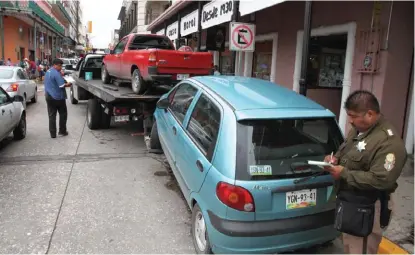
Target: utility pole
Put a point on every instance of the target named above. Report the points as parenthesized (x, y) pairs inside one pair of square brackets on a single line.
[(235, 18), (2, 36), (306, 40)]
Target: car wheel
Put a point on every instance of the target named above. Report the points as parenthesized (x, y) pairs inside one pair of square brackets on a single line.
[(34, 99), (137, 82), (106, 79), (154, 138), (93, 115), (199, 232), (73, 100), (20, 131)]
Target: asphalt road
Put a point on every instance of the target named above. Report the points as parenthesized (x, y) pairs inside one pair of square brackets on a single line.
[(89, 192)]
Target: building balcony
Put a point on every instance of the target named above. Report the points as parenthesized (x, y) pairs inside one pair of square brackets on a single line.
[(57, 4)]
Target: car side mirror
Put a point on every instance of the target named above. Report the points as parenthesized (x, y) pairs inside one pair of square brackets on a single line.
[(163, 103), (17, 98)]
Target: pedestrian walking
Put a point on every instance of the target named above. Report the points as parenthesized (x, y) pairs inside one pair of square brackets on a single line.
[(9, 62), (56, 98), (366, 168)]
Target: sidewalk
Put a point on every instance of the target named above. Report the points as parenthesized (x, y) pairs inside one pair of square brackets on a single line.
[(400, 230)]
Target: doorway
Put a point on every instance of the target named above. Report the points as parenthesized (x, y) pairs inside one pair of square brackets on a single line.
[(22, 53), (325, 70)]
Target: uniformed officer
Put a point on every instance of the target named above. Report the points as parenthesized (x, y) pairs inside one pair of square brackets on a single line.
[(371, 159)]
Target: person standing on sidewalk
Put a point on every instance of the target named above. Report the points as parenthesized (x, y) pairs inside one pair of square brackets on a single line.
[(56, 98), (366, 168)]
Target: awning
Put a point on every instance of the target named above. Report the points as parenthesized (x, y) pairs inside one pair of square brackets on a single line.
[(172, 10), (248, 7)]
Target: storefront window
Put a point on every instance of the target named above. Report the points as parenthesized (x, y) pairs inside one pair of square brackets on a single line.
[(262, 67)]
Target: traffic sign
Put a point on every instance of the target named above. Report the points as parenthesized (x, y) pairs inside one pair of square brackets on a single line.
[(242, 37)]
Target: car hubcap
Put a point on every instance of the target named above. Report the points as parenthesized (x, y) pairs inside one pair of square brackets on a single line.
[(136, 80), (103, 74), (200, 231), (23, 127)]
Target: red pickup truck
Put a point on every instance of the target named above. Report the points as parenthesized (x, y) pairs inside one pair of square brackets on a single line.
[(148, 60)]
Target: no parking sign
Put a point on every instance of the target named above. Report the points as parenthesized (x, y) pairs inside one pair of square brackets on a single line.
[(242, 37)]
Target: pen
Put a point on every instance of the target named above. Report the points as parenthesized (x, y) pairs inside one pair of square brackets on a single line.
[(331, 158)]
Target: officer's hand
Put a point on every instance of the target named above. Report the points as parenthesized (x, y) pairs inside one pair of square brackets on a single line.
[(335, 171), (68, 84), (333, 161)]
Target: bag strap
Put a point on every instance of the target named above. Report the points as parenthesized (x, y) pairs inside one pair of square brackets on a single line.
[(364, 251)]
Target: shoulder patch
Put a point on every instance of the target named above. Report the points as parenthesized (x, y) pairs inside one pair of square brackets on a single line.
[(389, 162)]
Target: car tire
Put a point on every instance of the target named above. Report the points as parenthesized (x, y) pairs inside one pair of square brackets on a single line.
[(154, 138), (34, 99), (105, 77), (24, 101), (19, 132), (137, 83), (72, 97), (197, 236), (93, 115)]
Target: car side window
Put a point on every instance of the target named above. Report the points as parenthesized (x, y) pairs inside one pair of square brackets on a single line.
[(21, 75), (204, 125), (181, 99), (4, 98), (120, 46)]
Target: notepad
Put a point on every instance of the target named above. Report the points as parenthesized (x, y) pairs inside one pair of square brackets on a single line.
[(319, 163)]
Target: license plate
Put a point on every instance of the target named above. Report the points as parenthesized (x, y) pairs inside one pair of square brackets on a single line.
[(301, 199), (182, 76), (122, 118)]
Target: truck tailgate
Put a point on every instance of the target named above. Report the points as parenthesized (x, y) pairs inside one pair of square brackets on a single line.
[(170, 61)]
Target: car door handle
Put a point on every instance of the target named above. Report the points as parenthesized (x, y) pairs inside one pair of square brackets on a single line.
[(199, 165), (174, 130)]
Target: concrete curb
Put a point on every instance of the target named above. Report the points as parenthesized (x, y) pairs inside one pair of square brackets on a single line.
[(389, 247)]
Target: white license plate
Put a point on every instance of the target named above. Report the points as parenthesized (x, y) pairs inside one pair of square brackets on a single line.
[(122, 118), (182, 76), (301, 198)]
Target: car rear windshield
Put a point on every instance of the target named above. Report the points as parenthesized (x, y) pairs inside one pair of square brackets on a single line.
[(280, 148), (6, 74), (151, 42)]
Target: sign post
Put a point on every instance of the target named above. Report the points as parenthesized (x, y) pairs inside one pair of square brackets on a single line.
[(242, 37)]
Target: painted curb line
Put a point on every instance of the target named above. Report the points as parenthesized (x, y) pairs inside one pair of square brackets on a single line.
[(388, 247)]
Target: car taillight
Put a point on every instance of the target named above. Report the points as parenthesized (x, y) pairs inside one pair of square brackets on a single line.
[(13, 88), (235, 197), (120, 111), (152, 57)]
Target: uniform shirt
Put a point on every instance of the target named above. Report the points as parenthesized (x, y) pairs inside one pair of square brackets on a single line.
[(372, 160), (53, 79)]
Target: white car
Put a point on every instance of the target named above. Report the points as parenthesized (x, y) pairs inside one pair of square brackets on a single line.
[(15, 82), (12, 116)]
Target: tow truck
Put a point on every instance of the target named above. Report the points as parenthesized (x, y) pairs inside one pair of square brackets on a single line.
[(111, 100)]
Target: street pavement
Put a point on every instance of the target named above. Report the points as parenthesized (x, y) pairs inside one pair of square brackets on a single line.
[(90, 192)]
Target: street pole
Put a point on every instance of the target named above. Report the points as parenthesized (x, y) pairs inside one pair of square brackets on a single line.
[(199, 29), (34, 40), (235, 18), (306, 40), (178, 32), (2, 36)]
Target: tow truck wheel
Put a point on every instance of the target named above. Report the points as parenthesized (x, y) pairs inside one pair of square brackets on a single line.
[(105, 120), (93, 116), (73, 100), (137, 82), (106, 79)]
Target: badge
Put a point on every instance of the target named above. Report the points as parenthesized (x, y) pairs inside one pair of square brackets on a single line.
[(361, 146), (389, 162)]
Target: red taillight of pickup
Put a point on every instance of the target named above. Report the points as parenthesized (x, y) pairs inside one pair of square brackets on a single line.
[(235, 197), (13, 88), (152, 58)]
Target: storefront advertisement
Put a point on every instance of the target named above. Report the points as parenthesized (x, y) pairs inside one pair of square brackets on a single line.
[(189, 23), (173, 31), (247, 7), (217, 12), (161, 32)]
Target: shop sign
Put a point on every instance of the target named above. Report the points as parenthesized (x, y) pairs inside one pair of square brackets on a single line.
[(189, 23), (242, 37), (247, 7), (161, 32), (173, 31), (217, 12)]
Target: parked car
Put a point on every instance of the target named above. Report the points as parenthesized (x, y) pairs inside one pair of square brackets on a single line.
[(12, 116), (239, 149), (148, 60), (15, 81)]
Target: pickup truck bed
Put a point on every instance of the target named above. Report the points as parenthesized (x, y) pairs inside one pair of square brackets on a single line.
[(111, 93)]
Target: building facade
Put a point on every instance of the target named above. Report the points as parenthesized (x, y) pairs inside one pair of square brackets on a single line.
[(352, 45)]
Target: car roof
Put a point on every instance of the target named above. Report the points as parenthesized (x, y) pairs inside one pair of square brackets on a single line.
[(244, 93), (9, 67)]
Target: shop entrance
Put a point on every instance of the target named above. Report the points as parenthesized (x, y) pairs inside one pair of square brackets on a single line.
[(325, 70)]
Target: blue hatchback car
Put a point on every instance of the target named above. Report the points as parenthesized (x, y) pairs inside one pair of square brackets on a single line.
[(239, 149)]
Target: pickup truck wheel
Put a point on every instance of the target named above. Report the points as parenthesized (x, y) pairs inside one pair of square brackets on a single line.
[(106, 79), (137, 82), (73, 100), (154, 138), (93, 116), (20, 131)]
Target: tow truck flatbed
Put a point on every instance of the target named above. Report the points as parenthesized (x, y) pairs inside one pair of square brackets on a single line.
[(111, 93)]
